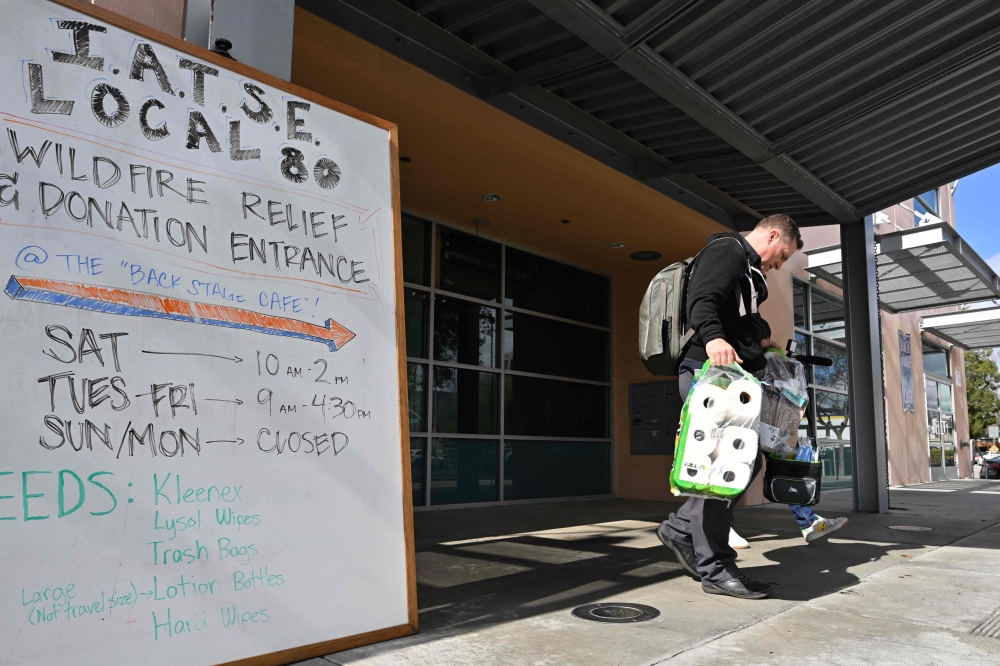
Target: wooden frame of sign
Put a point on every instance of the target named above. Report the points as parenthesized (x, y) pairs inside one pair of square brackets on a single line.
[(293, 654)]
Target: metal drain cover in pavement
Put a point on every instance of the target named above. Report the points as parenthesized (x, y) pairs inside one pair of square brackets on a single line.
[(616, 612), (987, 635), (911, 528)]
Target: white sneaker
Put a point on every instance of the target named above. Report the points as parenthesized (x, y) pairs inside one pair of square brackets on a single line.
[(736, 541), (823, 527)]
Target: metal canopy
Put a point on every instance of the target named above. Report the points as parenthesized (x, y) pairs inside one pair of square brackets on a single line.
[(972, 329), (919, 268), (827, 111)]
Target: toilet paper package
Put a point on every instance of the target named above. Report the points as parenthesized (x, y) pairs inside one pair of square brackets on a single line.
[(709, 402), (732, 476), (696, 469), (743, 402), (717, 442), (737, 444), (702, 436)]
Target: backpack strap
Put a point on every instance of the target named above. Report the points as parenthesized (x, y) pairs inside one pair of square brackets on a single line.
[(686, 338), (753, 293)]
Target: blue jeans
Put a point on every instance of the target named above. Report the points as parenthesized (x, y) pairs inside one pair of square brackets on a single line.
[(804, 515)]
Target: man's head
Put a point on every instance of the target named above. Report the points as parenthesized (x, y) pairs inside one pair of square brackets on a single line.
[(775, 239)]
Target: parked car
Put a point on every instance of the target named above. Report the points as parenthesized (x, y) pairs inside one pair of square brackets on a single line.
[(990, 468)]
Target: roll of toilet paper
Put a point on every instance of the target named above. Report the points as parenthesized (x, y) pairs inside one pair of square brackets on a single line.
[(737, 445), (696, 469), (708, 402), (743, 400), (730, 475), (702, 437)]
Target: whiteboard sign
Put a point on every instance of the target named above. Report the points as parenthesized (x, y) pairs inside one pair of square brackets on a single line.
[(201, 459)]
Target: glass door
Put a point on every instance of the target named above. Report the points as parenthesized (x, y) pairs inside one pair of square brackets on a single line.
[(948, 445), (941, 430), (934, 443)]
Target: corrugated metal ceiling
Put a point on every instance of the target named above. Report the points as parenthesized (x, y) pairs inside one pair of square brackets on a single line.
[(823, 109)]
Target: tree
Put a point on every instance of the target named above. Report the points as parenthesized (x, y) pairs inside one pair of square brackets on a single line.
[(982, 384)]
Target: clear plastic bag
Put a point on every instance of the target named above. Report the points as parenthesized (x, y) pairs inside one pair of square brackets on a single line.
[(717, 443), (785, 400)]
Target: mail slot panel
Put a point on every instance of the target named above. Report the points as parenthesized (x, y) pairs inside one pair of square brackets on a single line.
[(655, 408)]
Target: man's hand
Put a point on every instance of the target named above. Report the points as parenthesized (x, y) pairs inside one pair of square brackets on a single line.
[(721, 352), (767, 343)]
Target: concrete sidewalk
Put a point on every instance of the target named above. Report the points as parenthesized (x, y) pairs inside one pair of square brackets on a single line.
[(496, 586)]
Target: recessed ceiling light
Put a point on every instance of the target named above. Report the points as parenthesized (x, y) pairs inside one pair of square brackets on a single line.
[(489, 197), (618, 246), (645, 255)]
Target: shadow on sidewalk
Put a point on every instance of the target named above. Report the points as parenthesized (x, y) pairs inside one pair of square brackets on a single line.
[(501, 581), (807, 572)]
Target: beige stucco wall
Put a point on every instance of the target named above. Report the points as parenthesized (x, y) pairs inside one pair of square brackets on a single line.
[(165, 15), (909, 461)]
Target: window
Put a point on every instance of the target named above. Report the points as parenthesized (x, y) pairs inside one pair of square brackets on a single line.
[(468, 265), (800, 304), (508, 371), (466, 401), (418, 468), (465, 332), (820, 329), (416, 304), (463, 470), (940, 412), (828, 318), (551, 408), (555, 469), (925, 203), (416, 250), (549, 347), (416, 388), (833, 376), (935, 360), (543, 285)]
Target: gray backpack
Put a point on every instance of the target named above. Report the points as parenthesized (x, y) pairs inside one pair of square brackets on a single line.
[(663, 331)]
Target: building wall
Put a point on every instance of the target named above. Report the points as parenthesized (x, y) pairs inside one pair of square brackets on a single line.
[(907, 432), (165, 15), (636, 477), (461, 147), (259, 30)]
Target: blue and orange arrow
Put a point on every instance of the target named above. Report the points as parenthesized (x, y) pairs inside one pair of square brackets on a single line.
[(140, 304)]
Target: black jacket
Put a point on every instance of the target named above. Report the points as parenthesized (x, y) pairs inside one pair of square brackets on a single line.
[(718, 279)]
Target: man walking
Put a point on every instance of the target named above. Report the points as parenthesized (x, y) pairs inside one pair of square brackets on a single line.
[(725, 288)]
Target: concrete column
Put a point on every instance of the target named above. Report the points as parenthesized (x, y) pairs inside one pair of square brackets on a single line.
[(866, 398)]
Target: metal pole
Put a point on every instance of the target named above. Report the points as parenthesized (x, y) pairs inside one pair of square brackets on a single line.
[(864, 361)]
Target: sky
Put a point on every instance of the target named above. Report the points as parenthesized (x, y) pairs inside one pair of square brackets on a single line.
[(977, 213), (977, 217)]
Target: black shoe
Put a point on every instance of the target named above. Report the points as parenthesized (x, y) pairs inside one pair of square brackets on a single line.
[(740, 586), (683, 552)]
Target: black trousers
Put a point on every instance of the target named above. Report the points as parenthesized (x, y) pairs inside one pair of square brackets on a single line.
[(705, 523)]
